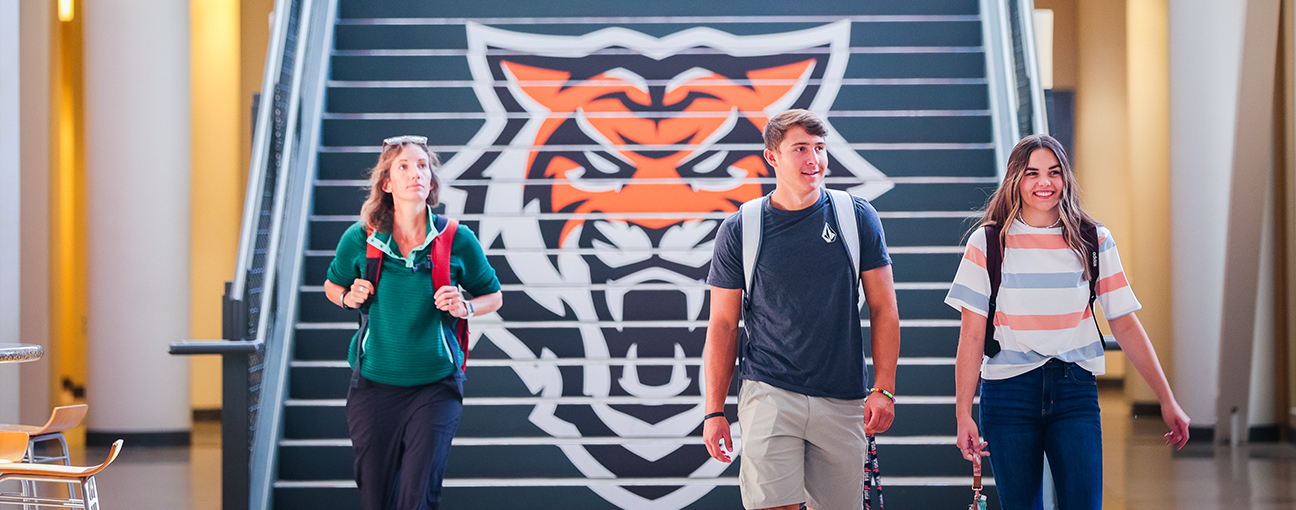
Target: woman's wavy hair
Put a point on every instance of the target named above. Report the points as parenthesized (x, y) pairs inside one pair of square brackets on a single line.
[(379, 208), (1005, 204)]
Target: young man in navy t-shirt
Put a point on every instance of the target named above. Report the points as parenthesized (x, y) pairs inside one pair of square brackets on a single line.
[(805, 405)]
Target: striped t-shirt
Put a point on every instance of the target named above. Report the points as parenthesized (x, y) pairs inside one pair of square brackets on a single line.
[(1043, 299)]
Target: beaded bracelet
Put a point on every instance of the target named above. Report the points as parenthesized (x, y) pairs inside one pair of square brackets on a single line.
[(884, 393), (713, 415)]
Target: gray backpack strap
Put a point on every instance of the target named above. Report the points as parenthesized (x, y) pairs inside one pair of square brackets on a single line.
[(844, 206), (750, 214)]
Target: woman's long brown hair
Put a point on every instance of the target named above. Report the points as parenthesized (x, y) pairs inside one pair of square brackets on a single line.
[(379, 208), (1005, 204)]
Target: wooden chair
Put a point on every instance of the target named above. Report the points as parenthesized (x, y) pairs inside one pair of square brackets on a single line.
[(62, 419), (13, 449)]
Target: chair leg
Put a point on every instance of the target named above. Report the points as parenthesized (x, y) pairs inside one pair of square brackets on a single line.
[(90, 495), (28, 489), (67, 461), (28, 486)]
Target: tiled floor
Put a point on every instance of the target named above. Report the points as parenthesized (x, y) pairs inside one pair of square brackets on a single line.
[(1141, 473)]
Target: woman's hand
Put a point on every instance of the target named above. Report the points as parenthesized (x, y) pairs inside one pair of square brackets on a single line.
[(969, 441), (357, 294), (450, 300), (1178, 421)]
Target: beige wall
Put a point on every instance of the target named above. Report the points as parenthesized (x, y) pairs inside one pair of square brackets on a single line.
[(216, 196), (228, 46)]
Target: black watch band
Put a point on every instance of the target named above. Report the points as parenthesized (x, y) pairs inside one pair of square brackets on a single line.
[(342, 300), (717, 414)]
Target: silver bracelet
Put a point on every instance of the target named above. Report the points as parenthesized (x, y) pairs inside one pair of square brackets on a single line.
[(471, 311)]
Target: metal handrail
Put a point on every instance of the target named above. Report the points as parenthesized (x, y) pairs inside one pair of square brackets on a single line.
[(257, 165), (1026, 64), (291, 230), (999, 77), (1012, 74)]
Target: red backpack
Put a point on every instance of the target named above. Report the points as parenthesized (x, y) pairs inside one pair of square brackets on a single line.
[(440, 259)]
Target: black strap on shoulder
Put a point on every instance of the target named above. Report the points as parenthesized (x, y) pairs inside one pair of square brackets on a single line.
[(994, 265), (1089, 236), (372, 272)]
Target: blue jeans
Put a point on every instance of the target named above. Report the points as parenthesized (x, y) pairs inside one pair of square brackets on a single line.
[(1052, 409)]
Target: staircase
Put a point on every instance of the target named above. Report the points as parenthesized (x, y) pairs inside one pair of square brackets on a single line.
[(583, 391)]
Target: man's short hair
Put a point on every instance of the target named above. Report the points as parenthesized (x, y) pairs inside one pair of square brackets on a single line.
[(777, 126)]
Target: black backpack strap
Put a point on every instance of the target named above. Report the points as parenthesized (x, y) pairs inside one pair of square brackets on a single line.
[(372, 272), (994, 265), (1089, 236)]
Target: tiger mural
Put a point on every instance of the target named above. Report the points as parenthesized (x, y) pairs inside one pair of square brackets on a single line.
[(610, 160)]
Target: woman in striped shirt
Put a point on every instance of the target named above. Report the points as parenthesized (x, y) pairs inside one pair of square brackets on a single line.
[(1038, 392)]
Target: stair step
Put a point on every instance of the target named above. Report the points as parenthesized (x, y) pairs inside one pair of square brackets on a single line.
[(947, 231), (331, 344), (896, 163), (547, 494), (329, 422), (956, 199), (308, 383), (933, 270), (825, 12), (300, 463), (354, 66), (667, 306), (964, 31)]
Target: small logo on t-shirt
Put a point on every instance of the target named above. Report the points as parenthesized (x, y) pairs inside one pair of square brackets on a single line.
[(828, 234)]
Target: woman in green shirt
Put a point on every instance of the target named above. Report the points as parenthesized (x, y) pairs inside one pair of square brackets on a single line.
[(406, 393)]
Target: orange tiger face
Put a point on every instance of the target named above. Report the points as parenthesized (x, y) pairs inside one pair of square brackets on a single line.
[(663, 163)]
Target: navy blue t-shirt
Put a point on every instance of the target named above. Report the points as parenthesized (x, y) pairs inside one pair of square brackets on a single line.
[(803, 328)]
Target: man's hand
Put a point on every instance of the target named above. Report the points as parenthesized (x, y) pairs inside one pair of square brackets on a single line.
[(879, 411), (715, 433)]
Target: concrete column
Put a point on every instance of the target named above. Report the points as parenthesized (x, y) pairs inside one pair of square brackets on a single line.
[(38, 21), (1205, 59), (10, 184), (1253, 164), (137, 133)]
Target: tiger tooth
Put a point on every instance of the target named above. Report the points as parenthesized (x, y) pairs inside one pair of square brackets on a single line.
[(696, 297), (615, 297)]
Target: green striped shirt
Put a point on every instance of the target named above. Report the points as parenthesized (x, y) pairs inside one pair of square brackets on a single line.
[(406, 344)]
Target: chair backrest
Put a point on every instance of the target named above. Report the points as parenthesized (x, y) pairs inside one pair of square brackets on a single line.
[(63, 418), (13, 445)]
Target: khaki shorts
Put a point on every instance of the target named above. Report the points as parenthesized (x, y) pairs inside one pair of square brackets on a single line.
[(800, 449)]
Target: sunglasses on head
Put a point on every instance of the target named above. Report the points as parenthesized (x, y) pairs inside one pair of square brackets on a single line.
[(403, 139)]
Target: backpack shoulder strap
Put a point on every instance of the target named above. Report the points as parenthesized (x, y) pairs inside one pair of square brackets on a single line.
[(440, 255), (844, 206), (750, 214), (1089, 236), (440, 252), (994, 267), (373, 269)]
